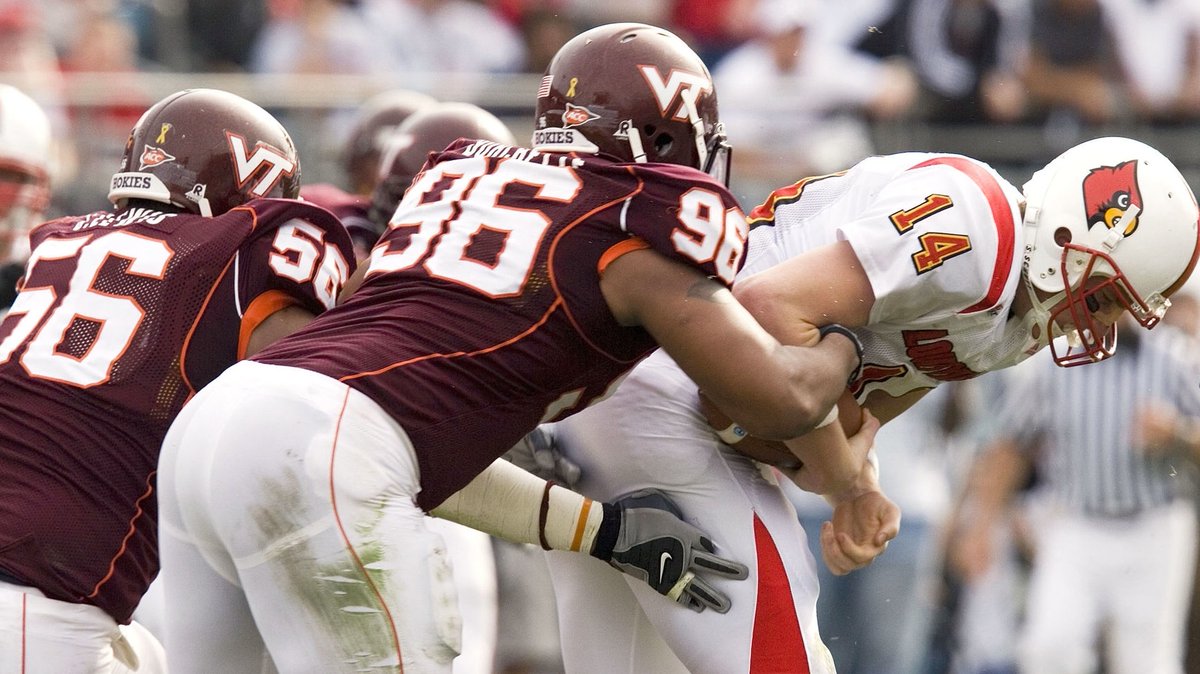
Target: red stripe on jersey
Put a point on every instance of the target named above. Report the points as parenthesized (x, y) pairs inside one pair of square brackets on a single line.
[(777, 644), (1002, 217), (765, 212)]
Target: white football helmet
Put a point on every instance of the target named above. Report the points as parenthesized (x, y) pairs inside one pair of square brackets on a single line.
[(24, 168), (1112, 209)]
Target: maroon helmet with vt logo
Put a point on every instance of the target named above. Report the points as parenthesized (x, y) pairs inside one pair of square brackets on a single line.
[(206, 151), (635, 93)]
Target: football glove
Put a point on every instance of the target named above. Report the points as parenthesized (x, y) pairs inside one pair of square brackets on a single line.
[(644, 536)]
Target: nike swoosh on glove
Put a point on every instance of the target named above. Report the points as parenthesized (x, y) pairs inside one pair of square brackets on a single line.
[(643, 535)]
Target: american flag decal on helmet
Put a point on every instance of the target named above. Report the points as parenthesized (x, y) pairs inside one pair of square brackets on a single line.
[(544, 89)]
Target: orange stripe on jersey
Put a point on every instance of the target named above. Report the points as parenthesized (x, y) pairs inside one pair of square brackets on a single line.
[(1001, 216), (458, 354), (765, 212), (207, 299), (261, 308), (776, 645), (619, 249), (137, 513)]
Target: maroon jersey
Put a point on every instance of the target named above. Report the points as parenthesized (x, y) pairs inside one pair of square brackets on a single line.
[(482, 314), (121, 318)]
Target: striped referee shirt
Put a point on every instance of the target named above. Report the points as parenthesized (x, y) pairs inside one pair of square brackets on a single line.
[(1080, 422)]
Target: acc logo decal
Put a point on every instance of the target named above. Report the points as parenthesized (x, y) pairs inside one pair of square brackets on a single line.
[(153, 156), (245, 165), (1108, 192), (576, 115), (668, 91)]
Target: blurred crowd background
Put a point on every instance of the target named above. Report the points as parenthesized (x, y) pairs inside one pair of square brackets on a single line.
[(805, 87)]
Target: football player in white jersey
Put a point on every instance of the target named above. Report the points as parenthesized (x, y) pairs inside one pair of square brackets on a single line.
[(944, 271)]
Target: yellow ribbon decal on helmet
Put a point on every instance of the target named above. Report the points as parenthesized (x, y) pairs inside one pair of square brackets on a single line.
[(571, 87), (162, 133)]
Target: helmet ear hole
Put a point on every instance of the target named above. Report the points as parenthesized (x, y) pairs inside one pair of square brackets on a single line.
[(1062, 236), (662, 144)]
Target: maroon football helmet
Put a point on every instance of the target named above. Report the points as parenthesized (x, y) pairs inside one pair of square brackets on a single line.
[(428, 130), (633, 92), (375, 122), (206, 151)]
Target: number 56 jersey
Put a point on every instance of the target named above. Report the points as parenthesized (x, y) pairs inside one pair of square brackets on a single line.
[(481, 314), (122, 316)]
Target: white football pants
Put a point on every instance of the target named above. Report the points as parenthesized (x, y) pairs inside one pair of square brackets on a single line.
[(289, 533), (46, 636)]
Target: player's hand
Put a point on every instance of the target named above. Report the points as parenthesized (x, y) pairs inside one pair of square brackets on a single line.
[(859, 531), (538, 453), (644, 536)]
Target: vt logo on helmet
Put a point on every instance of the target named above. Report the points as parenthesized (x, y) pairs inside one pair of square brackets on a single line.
[(672, 92), (635, 93), (1108, 192)]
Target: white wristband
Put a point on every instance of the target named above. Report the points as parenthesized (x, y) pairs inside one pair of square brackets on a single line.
[(732, 434), (829, 418)]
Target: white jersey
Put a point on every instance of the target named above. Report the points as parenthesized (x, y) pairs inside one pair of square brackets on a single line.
[(938, 236)]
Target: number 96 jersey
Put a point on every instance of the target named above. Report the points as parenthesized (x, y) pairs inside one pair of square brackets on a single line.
[(122, 316), (481, 314)]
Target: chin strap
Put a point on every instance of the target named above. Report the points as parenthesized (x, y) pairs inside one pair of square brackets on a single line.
[(1038, 315)]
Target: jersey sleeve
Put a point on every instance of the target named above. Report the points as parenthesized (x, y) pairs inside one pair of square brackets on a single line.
[(687, 216), (297, 251), (936, 241)]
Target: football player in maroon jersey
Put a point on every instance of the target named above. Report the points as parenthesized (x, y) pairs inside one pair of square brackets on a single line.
[(513, 286), (122, 316)]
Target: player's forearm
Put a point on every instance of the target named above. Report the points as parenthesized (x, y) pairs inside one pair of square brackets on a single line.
[(865, 481), (515, 505)]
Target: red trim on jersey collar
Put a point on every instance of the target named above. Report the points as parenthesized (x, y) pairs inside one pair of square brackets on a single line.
[(1002, 217)]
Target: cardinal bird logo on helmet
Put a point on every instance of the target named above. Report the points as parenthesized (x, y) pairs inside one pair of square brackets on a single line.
[(1108, 192)]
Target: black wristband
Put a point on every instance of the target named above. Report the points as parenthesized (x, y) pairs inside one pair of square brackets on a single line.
[(543, 511), (606, 537), (858, 347)]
